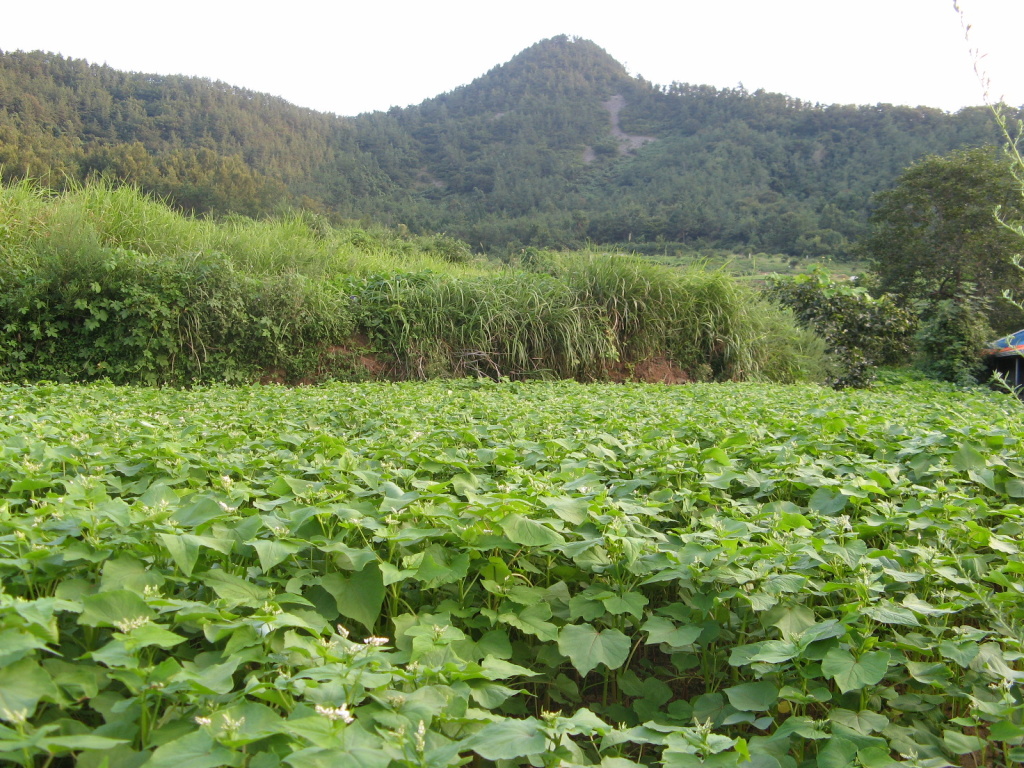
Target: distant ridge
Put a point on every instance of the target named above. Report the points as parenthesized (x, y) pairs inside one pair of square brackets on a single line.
[(557, 147)]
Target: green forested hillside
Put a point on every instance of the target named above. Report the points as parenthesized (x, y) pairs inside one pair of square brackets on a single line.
[(558, 147)]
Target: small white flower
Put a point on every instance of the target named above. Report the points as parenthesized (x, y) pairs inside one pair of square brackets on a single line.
[(342, 631), (421, 737), (375, 641), (335, 713), (19, 716), (202, 720), (233, 725), (127, 625)]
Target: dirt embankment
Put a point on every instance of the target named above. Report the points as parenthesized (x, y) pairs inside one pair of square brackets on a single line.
[(655, 370), (356, 361)]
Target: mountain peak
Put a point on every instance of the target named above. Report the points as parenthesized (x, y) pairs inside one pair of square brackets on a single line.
[(573, 62), (559, 68)]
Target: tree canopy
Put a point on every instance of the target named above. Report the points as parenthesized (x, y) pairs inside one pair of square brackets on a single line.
[(935, 236)]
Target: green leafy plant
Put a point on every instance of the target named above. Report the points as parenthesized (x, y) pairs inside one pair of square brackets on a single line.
[(103, 282), (860, 331), (543, 573)]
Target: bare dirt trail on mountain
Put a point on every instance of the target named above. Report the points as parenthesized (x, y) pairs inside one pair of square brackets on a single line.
[(627, 142)]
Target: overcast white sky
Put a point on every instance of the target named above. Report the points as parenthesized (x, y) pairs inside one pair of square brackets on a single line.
[(352, 56)]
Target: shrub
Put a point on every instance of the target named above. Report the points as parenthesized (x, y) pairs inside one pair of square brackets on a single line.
[(130, 317), (860, 331), (97, 282), (951, 337)]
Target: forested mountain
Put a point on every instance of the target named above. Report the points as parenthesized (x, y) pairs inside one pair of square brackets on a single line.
[(556, 147)]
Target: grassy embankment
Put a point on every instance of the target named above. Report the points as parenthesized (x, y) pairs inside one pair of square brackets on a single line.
[(105, 283)]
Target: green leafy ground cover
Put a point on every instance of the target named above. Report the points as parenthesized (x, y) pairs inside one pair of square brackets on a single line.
[(439, 573)]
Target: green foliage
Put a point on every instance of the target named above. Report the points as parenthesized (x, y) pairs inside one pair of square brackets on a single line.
[(704, 321), (504, 324), (103, 282), (952, 334), (861, 332), (578, 316), (129, 317), (422, 574), (935, 236)]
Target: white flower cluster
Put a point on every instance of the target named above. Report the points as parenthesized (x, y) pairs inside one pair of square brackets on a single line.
[(335, 713), (127, 625)]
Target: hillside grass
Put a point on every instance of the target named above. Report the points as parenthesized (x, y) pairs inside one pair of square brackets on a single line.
[(103, 282)]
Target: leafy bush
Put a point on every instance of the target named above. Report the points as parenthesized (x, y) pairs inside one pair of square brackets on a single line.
[(935, 236), (130, 317), (952, 335), (860, 331)]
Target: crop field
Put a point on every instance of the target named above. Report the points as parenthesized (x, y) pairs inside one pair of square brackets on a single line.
[(496, 574)]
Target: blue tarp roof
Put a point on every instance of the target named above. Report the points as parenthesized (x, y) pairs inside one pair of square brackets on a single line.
[(1008, 345)]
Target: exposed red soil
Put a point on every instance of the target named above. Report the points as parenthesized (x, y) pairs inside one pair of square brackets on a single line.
[(654, 370), (355, 361)]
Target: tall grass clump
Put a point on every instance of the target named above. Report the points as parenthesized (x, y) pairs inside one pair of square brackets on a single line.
[(104, 282), (21, 221), (703, 321), (511, 324), (97, 215), (306, 243)]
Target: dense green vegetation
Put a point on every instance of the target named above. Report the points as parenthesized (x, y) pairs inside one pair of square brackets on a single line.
[(100, 282), (501, 570), (525, 155), (532, 573), (943, 245), (935, 236), (863, 332)]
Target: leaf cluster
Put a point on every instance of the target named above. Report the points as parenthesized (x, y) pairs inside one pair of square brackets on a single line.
[(935, 236), (104, 282), (860, 331)]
